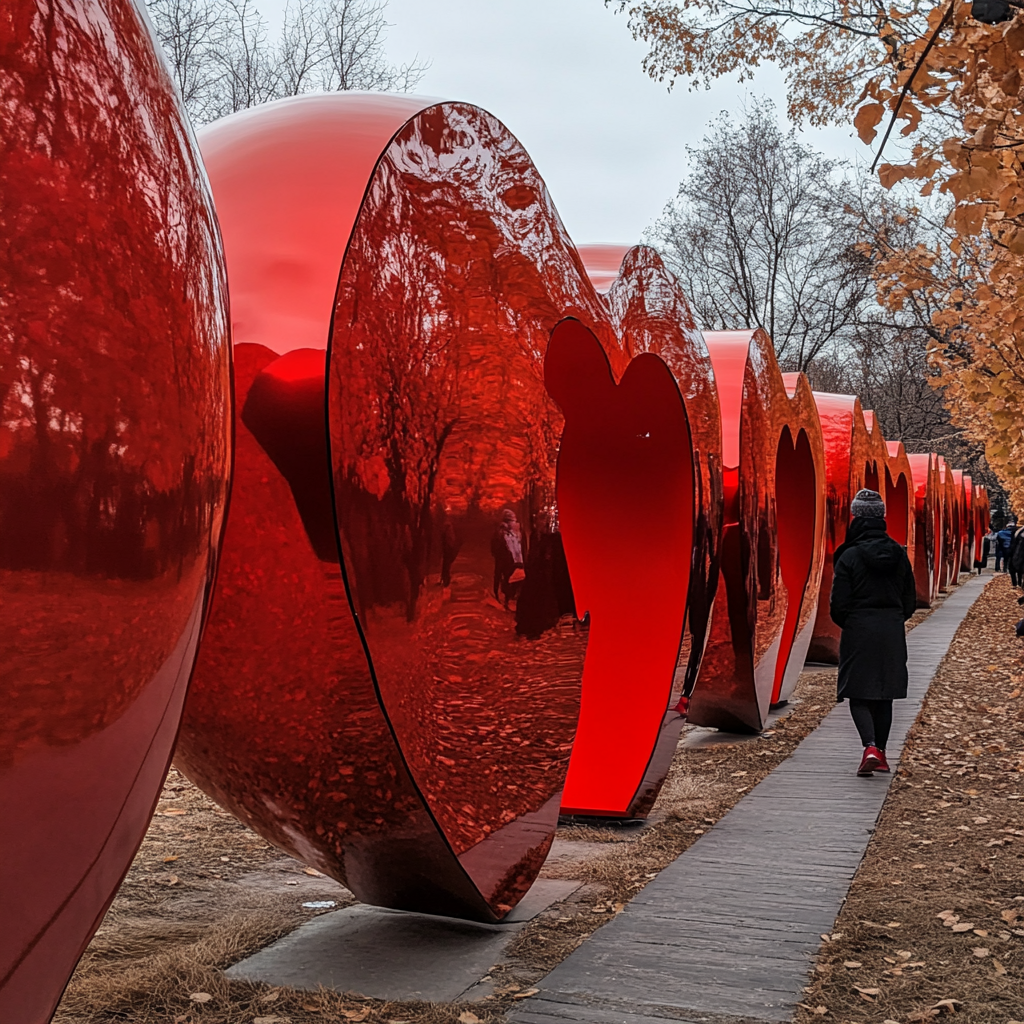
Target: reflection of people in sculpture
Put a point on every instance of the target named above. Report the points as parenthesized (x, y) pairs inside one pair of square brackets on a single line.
[(507, 549), (450, 545), (546, 593), (873, 594)]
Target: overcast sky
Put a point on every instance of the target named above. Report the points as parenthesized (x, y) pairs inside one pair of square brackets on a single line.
[(565, 77)]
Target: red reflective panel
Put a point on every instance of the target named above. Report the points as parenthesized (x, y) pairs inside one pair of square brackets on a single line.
[(773, 466), (114, 463), (402, 721), (928, 526)]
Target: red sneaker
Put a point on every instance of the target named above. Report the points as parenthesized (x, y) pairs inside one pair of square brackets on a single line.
[(870, 761), (884, 766)]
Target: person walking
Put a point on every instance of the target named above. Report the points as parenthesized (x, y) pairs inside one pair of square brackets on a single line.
[(873, 594), (1015, 558), (1004, 538)]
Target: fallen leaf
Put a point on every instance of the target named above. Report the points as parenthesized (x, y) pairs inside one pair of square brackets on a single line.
[(820, 1010), (167, 860), (999, 968), (737, 775), (852, 964), (526, 993), (356, 1015), (981, 952), (981, 933), (173, 812), (468, 1017), (270, 996), (963, 927), (894, 924), (310, 1008), (313, 872), (200, 997), (270, 1020), (949, 1005)]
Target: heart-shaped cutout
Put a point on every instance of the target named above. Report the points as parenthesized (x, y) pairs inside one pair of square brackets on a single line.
[(114, 465), (652, 315), (626, 507)]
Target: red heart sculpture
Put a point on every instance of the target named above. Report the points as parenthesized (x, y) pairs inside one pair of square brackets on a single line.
[(626, 678), (401, 717), (114, 464), (773, 537)]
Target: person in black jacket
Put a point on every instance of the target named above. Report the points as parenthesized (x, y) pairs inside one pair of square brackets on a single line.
[(1015, 558), (873, 594)]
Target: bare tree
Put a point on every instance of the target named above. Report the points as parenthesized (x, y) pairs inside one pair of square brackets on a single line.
[(760, 236), (223, 59)]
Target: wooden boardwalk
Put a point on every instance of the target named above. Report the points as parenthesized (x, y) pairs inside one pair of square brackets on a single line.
[(728, 932)]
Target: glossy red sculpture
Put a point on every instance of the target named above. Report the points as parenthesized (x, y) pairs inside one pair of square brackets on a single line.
[(928, 500), (400, 717), (949, 556), (773, 534), (965, 540), (640, 510), (114, 464)]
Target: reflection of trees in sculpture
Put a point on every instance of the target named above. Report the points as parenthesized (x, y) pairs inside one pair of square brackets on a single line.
[(456, 272), (112, 366), (466, 316), (111, 476)]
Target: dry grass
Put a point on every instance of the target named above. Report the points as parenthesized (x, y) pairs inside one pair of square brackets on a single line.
[(949, 840)]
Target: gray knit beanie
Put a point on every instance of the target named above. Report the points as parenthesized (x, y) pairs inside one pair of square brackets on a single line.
[(868, 504)]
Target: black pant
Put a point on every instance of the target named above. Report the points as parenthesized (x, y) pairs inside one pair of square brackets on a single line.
[(873, 719)]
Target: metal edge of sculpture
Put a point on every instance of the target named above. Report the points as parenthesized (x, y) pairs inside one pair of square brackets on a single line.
[(748, 643), (651, 315), (850, 464), (927, 526), (115, 458)]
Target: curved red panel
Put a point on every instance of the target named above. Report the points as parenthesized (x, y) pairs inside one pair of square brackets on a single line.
[(639, 672), (965, 539), (768, 441), (928, 502), (114, 464), (853, 460)]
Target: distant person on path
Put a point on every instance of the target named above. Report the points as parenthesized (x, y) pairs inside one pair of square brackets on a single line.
[(873, 594), (986, 550), (507, 549), (1015, 559), (1003, 540)]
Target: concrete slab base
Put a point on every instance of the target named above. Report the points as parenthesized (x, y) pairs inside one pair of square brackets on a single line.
[(388, 954)]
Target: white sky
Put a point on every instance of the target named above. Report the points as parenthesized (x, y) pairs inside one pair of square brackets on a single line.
[(565, 77)]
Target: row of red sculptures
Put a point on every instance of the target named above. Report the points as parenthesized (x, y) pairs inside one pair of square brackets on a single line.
[(469, 483)]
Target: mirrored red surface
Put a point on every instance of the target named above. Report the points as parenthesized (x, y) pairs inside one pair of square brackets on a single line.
[(114, 462)]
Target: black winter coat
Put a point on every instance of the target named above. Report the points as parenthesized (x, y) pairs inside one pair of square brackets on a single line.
[(873, 594), (1016, 557)]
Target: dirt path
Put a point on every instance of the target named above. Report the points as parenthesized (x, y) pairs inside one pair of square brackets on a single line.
[(934, 922)]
